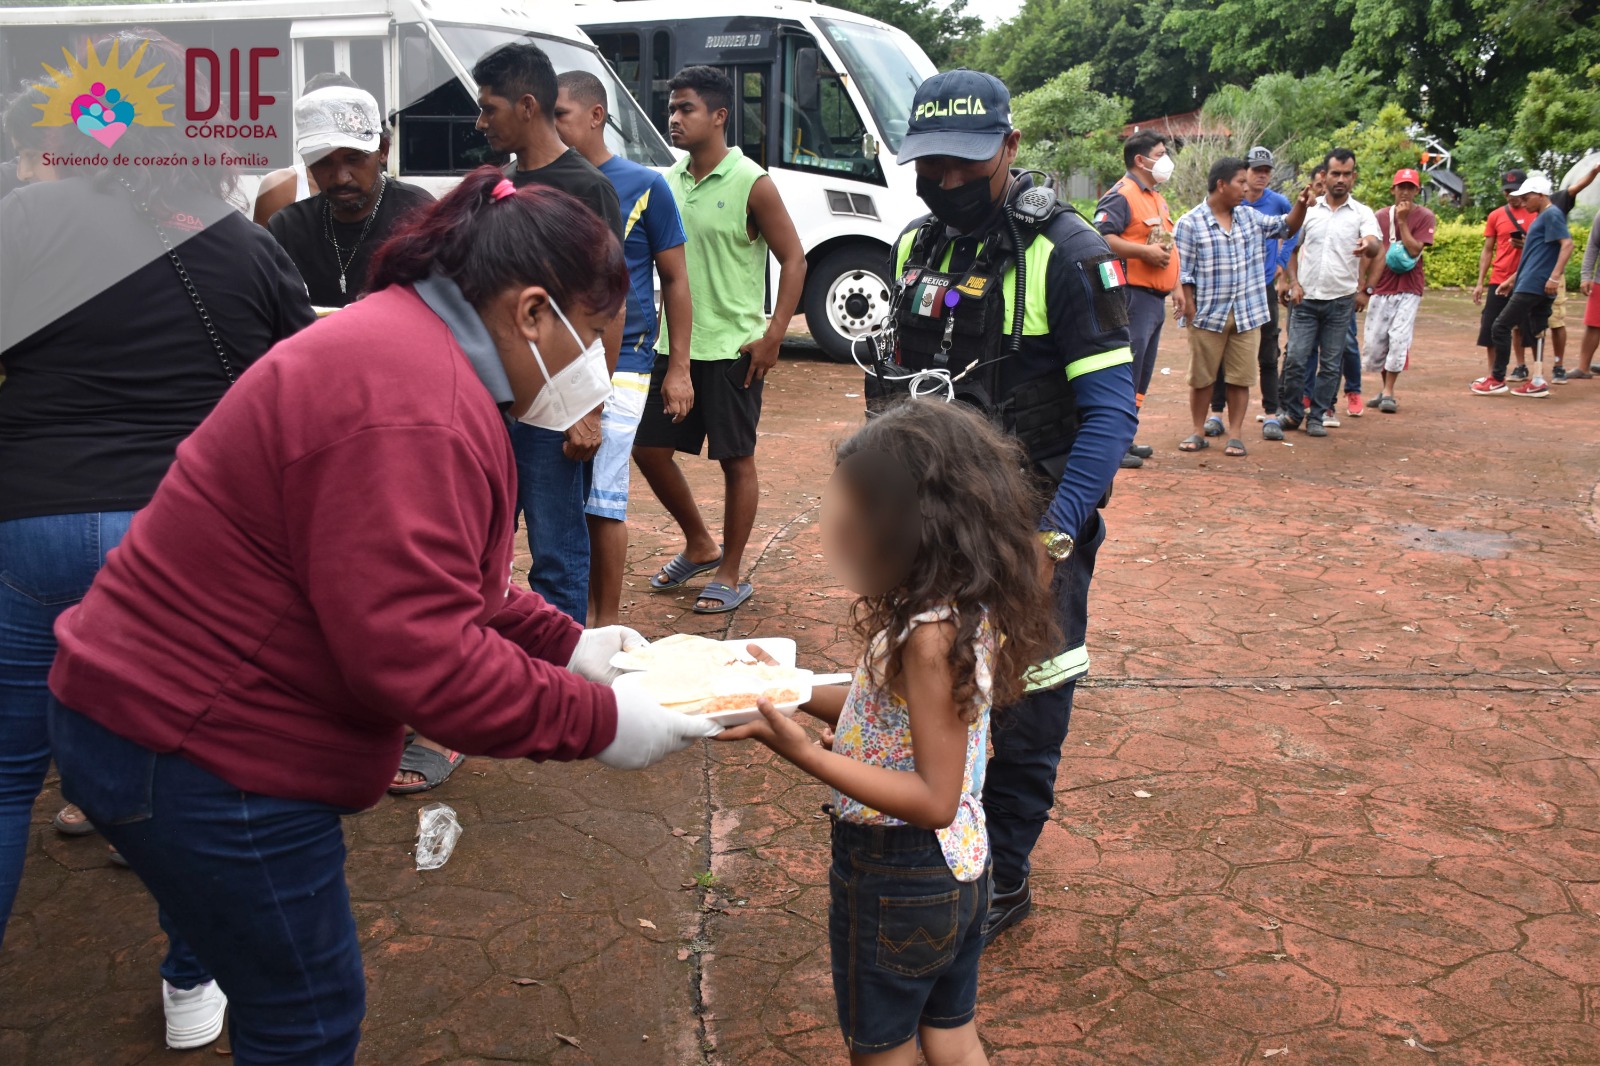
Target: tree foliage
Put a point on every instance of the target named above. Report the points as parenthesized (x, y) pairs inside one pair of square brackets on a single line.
[(1293, 115), (1120, 40), (1482, 155), (1558, 122), (1067, 127)]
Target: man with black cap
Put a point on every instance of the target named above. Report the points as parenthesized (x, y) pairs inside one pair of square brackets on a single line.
[(339, 133), (1503, 232), (1010, 301)]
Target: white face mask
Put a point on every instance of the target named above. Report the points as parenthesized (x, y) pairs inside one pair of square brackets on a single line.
[(1161, 169), (578, 388)]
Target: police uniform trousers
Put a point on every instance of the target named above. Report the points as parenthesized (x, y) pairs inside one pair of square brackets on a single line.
[(1020, 788)]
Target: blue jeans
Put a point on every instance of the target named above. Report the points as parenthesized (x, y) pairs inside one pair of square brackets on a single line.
[(904, 935), (255, 884), (551, 493), (1019, 789), (1318, 327), (1351, 363), (46, 565)]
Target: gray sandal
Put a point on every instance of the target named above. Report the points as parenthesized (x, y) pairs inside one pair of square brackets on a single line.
[(435, 768), (1194, 442)]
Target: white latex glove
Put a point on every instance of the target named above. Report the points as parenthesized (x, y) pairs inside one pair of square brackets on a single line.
[(647, 732), (591, 659)]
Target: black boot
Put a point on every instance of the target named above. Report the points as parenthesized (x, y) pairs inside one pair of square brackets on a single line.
[(1006, 908)]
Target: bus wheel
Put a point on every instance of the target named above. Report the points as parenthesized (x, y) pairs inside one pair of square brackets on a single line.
[(846, 297)]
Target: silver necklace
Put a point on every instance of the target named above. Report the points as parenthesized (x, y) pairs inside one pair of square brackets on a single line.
[(327, 229)]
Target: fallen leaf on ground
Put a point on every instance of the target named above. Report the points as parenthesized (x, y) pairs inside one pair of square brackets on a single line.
[(647, 923), (1271, 1051), (680, 832), (565, 1039), (525, 981), (1141, 794)]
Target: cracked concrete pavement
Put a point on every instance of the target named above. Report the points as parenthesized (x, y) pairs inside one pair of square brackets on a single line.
[(1334, 787)]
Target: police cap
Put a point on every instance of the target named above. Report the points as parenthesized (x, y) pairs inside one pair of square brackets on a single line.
[(961, 113)]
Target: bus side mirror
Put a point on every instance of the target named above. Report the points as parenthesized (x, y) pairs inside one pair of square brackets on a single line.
[(807, 80)]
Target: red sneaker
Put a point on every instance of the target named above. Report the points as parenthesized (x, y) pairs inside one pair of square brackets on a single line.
[(1488, 386), (1353, 405), (1535, 388)]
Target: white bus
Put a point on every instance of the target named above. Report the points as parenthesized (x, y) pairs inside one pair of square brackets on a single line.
[(825, 96), (415, 56)]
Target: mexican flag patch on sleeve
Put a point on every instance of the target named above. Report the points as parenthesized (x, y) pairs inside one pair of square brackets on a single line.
[(1111, 275)]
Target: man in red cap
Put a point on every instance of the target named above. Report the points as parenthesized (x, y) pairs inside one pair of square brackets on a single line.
[(1394, 284)]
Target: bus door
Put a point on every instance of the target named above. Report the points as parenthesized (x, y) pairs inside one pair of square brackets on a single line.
[(644, 61)]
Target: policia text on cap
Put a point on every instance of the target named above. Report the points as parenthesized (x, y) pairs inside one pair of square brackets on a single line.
[(1015, 304)]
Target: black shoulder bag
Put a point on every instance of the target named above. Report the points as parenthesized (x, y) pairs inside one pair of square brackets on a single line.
[(188, 283)]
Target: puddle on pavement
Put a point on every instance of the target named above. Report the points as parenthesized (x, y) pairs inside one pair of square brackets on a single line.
[(1479, 544)]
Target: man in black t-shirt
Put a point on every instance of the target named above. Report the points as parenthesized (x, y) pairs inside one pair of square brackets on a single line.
[(331, 236), (517, 92)]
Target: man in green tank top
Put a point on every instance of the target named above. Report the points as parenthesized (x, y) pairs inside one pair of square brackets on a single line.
[(733, 215)]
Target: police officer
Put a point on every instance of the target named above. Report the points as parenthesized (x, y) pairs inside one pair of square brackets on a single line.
[(1012, 302)]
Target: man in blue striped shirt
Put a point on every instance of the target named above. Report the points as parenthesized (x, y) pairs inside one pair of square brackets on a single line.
[(1221, 246)]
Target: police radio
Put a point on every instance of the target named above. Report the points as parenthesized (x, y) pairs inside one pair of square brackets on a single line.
[(1034, 207)]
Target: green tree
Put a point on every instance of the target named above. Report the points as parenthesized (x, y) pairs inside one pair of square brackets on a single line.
[(1121, 40), (1290, 114), (942, 29), (1246, 38), (1067, 127), (1558, 121), (1382, 146), (1482, 155)]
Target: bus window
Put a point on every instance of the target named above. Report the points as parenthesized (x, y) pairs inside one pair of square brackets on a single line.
[(367, 66), (752, 131), (661, 73), (822, 130), (628, 133), (316, 57), (438, 119), (621, 50)]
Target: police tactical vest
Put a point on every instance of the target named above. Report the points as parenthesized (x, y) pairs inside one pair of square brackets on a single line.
[(957, 322)]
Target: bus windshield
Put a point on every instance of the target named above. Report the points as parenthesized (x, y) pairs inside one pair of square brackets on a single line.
[(628, 133), (887, 69)]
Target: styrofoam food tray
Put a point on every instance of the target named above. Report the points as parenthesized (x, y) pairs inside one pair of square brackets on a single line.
[(634, 681), (780, 648)]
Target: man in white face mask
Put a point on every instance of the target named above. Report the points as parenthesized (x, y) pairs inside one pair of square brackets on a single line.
[(1133, 218)]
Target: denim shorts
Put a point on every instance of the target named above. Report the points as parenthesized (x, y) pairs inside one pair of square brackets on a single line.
[(905, 935)]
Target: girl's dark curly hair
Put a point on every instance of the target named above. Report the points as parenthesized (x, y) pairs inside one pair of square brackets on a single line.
[(961, 521)]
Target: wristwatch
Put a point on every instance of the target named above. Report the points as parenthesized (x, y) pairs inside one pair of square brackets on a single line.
[(1369, 290), (1057, 545)]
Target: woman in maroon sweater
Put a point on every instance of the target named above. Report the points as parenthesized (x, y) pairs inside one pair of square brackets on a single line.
[(329, 558)]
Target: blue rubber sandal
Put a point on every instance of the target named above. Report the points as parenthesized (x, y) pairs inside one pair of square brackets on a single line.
[(682, 570), (727, 599)]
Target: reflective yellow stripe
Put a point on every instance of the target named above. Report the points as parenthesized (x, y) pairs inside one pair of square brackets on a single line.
[(1090, 363), (627, 379), (1057, 671)]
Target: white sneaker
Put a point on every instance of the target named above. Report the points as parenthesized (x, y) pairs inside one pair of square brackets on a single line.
[(1329, 421), (194, 1018)]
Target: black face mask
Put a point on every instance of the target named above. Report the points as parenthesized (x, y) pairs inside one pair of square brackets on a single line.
[(964, 207)]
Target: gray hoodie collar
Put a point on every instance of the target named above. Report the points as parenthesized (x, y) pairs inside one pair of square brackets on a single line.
[(444, 298)]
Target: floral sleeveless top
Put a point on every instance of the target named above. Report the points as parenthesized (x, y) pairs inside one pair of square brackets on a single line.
[(875, 728)]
